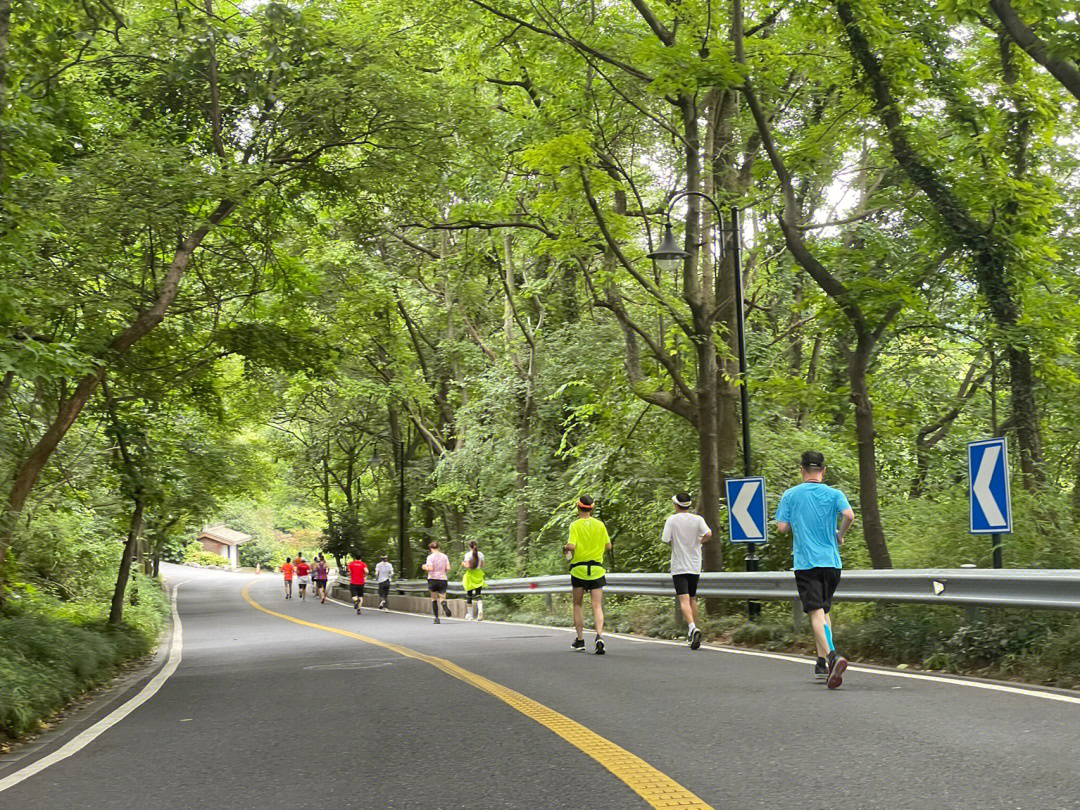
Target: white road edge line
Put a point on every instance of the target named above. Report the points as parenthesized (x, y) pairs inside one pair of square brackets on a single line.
[(795, 659), (86, 737)]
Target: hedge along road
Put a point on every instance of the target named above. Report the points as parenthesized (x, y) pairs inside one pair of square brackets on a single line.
[(309, 705)]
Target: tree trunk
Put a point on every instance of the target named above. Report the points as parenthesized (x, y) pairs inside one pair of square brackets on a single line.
[(116, 612), (70, 408), (873, 530), (521, 481)]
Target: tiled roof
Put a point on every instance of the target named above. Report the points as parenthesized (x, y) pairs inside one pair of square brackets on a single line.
[(225, 534)]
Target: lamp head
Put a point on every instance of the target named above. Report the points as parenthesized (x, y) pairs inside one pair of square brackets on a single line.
[(668, 255)]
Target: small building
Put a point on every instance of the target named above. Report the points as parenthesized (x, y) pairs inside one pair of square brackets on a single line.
[(220, 539)]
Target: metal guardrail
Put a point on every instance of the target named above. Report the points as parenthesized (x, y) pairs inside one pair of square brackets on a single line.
[(1051, 589)]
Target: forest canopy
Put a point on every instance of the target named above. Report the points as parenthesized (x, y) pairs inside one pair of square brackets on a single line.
[(377, 271)]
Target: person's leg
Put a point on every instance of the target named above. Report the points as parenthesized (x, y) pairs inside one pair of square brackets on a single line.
[(819, 622), (579, 619), (693, 608), (597, 597), (435, 605), (479, 604), (442, 598), (468, 605), (689, 614)]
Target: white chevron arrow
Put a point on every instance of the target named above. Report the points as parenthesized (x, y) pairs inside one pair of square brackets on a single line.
[(987, 502), (740, 513)]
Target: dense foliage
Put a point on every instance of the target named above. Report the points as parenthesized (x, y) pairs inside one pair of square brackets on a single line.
[(376, 271)]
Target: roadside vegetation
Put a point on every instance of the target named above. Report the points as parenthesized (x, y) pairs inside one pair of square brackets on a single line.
[(1036, 647)]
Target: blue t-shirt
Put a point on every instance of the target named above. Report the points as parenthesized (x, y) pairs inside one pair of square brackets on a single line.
[(812, 510)]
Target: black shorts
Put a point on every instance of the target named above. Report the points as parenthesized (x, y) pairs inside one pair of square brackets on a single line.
[(588, 584), (437, 585), (320, 583), (816, 587), (475, 593), (685, 583), (356, 590), (384, 589)]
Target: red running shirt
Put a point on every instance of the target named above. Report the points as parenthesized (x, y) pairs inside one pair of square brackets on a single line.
[(357, 572), (302, 569)]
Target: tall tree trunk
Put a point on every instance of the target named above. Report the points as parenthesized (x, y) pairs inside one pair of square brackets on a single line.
[(116, 612), (872, 527), (5, 37), (70, 408)]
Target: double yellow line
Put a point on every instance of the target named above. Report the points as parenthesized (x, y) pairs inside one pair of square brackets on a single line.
[(656, 788)]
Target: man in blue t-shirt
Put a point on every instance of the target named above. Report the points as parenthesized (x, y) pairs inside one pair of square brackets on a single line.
[(811, 510)]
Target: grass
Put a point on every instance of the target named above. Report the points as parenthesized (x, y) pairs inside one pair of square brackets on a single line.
[(1038, 647), (51, 651)]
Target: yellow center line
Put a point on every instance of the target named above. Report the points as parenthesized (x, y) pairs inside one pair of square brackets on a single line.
[(656, 788)]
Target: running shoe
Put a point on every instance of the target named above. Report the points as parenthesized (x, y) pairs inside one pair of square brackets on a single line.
[(599, 645), (446, 608), (821, 669), (579, 644), (437, 620), (837, 665), (382, 605), (695, 638)]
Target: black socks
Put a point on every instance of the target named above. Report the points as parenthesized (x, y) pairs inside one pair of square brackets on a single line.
[(435, 608)]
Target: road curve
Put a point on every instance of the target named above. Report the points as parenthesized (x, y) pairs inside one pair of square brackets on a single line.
[(266, 712)]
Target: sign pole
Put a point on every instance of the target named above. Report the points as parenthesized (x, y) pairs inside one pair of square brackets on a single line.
[(996, 540), (753, 608)]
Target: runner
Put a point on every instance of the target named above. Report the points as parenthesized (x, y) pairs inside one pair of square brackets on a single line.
[(322, 574), (473, 581), (287, 570), (811, 510), (436, 566), (585, 551), (384, 572), (357, 578), (303, 573), (685, 532)]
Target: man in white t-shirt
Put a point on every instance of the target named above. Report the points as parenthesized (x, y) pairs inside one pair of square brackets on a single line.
[(384, 572), (685, 532)]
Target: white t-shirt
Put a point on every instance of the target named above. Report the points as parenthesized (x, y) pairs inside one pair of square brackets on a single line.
[(468, 558), (683, 532), (383, 572)]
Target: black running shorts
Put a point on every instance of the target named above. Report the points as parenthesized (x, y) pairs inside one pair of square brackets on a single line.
[(816, 587), (356, 590), (437, 585), (588, 584), (685, 583), (384, 590)]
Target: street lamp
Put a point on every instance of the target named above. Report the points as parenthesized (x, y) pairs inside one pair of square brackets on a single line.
[(668, 255)]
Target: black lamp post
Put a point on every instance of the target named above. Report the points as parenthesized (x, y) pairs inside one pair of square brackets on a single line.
[(668, 256)]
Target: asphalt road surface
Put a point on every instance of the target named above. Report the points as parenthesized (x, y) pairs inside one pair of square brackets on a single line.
[(392, 711)]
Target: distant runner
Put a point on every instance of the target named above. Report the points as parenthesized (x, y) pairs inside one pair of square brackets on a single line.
[(685, 532), (473, 581), (436, 566), (357, 578), (588, 542), (811, 510), (321, 575), (384, 572), (287, 571), (303, 574)]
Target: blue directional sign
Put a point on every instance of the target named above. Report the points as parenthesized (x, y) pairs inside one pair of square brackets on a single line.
[(747, 515), (988, 487)]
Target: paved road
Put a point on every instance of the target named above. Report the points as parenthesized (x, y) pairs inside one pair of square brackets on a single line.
[(269, 713)]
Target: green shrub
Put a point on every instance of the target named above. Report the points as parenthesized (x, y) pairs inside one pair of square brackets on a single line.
[(51, 651), (197, 555)]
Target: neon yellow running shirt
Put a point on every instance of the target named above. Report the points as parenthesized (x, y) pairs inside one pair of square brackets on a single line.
[(589, 537)]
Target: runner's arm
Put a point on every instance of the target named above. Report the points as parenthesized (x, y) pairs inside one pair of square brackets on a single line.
[(783, 526), (705, 538), (847, 517)]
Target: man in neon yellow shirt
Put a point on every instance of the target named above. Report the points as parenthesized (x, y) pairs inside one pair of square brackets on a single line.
[(585, 551)]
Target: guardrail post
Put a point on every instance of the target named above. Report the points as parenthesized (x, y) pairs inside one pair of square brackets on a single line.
[(549, 603), (796, 615)]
